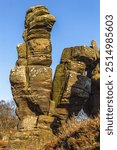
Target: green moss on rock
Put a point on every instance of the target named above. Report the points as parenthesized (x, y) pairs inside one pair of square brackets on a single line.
[(59, 83)]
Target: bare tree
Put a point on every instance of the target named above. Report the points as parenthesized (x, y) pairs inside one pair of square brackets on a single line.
[(8, 118)]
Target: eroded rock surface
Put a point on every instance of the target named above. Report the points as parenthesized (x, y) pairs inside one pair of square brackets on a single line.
[(43, 105), (75, 81), (31, 78)]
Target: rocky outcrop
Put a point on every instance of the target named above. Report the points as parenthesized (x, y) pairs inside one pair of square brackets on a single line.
[(43, 105), (31, 79), (74, 81)]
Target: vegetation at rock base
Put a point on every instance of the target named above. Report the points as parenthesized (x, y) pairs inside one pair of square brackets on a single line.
[(45, 105), (74, 135), (8, 121)]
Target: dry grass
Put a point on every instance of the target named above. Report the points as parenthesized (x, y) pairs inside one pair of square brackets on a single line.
[(75, 135), (3, 144)]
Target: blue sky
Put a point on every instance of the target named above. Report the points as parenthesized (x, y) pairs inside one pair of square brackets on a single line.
[(78, 22)]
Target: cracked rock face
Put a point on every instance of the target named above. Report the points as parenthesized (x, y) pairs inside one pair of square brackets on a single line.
[(43, 105), (31, 78), (76, 79), (73, 83)]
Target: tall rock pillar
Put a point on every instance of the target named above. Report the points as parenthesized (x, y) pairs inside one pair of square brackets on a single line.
[(31, 78)]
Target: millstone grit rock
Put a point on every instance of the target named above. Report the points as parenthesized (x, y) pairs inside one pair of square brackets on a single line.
[(30, 140), (31, 78), (92, 107), (43, 105), (72, 87)]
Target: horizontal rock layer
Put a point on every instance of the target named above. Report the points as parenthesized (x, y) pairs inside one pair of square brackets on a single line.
[(31, 79), (72, 84)]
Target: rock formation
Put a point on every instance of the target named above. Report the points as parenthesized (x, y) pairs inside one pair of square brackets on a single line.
[(31, 79), (73, 86), (43, 105)]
